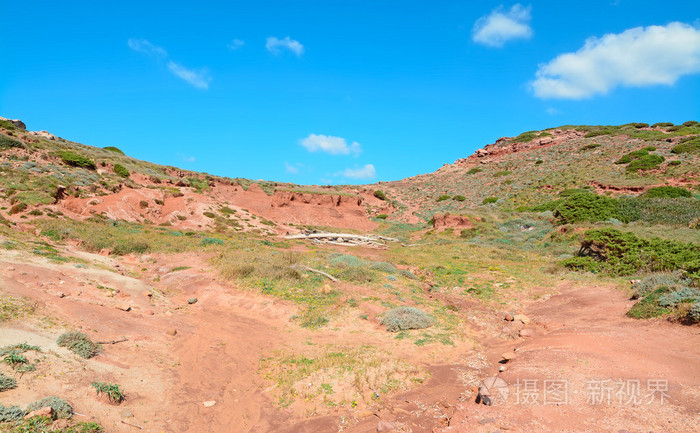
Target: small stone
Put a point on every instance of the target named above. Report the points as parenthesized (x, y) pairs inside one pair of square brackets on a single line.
[(487, 421), (192, 301), (44, 411), (507, 356), (522, 318), (385, 426), (209, 403), (126, 413), (525, 333), (56, 293), (172, 331), (149, 312), (123, 307), (508, 317), (502, 368)]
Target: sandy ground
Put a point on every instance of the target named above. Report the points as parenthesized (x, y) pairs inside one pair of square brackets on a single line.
[(179, 356)]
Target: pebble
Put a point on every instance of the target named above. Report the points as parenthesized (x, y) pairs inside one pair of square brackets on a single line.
[(172, 331), (522, 318), (192, 301), (209, 403), (385, 426), (525, 333)]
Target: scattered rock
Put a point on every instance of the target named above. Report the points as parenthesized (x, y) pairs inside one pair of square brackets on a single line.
[(508, 317), (56, 293), (192, 301), (44, 411), (507, 356), (123, 307), (172, 331), (522, 318), (385, 426), (209, 403), (525, 333), (487, 421), (502, 368)]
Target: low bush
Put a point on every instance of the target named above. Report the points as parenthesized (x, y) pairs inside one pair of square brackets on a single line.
[(19, 207), (667, 192), (11, 413), (526, 137), (662, 125), (501, 173), (474, 170), (683, 295), (590, 146), (76, 160), (489, 200), (459, 198), (114, 149), (694, 313), (403, 318), (380, 194), (538, 162), (78, 343), (131, 246), (382, 216), (647, 162), (586, 206), (121, 170), (674, 280), (61, 408), (690, 123), (7, 382), (443, 197), (620, 253), (687, 145), (7, 142), (648, 307), (211, 241), (111, 390)]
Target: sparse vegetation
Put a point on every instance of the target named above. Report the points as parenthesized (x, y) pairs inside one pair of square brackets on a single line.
[(121, 170), (78, 343), (404, 318), (61, 408), (7, 382), (111, 390), (76, 160), (380, 194)]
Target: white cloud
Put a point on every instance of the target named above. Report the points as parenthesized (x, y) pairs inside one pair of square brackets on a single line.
[(199, 79), (638, 57), (330, 144), (501, 26), (275, 46), (366, 172), (145, 47), (289, 168), (235, 44)]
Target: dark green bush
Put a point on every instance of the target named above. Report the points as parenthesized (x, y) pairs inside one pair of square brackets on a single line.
[(526, 137), (646, 162), (538, 162), (662, 125), (443, 197), (590, 146), (620, 253), (474, 170), (7, 142), (75, 160), (688, 145), (114, 149), (403, 318), (586, 207), (19, 207), (690, 123), (667, 192), (382, 216), (489, 200), (502, 173), (78, 343), (121, 170), (380, 194), (459, 198)]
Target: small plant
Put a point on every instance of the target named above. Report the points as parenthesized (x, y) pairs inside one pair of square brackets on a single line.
[(11, 413), (61, 408), (209, 214), (111, 390), (211, 241), (19, 207), (443, 198), (121, 170), (403, 318), (382, 216), (501, 173), (590, 146), (7, 382), (687, 145), (75, 160), (538, 162), (647, 162), (380, 194), (114, 149), (459, 198), (18, 362), (667, 192), (78, 343), (662, 125), (489, 200), (474, 170)]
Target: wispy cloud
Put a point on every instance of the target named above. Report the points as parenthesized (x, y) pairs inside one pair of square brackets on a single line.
[(331, 145), (289, 168), (145, 47), (501, 26), (638, 57), (235, 44), (197, 78), (275, 45), (366, 172)]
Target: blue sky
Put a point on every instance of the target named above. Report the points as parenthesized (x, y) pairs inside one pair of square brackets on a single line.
[(317, 92)]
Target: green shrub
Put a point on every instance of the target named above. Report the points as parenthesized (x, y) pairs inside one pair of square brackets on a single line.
[(7, 142), (11, 413), (380, 194), (459, 198), (620, 253), (18, 362), (691, 123), (669, 211), (19, 207), (78, 343), (121, 170), (61, 408), (667, 192), (211, 241), (662, 125), (403, 318), (647, 162), (590, 146), (586, 207), (682, 295), (75, 160), (673, 280), (572, 191), (443, 197), (131, 246), (649, 306), (382, 216), (687, 145), (694, 313), (114, 149), (111, 390), (474, 170), (7, 382), (502, 173), (209, 214), (538, 162), (526, 137), (489, 200)]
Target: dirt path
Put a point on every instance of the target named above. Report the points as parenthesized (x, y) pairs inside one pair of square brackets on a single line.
[(605, 372)]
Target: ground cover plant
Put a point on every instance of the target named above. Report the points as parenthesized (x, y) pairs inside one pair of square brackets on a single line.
[(78, 343), (111, 390)]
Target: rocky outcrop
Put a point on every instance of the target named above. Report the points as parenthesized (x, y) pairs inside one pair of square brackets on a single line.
[(506, 145), (443, 221), (16, 122)]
